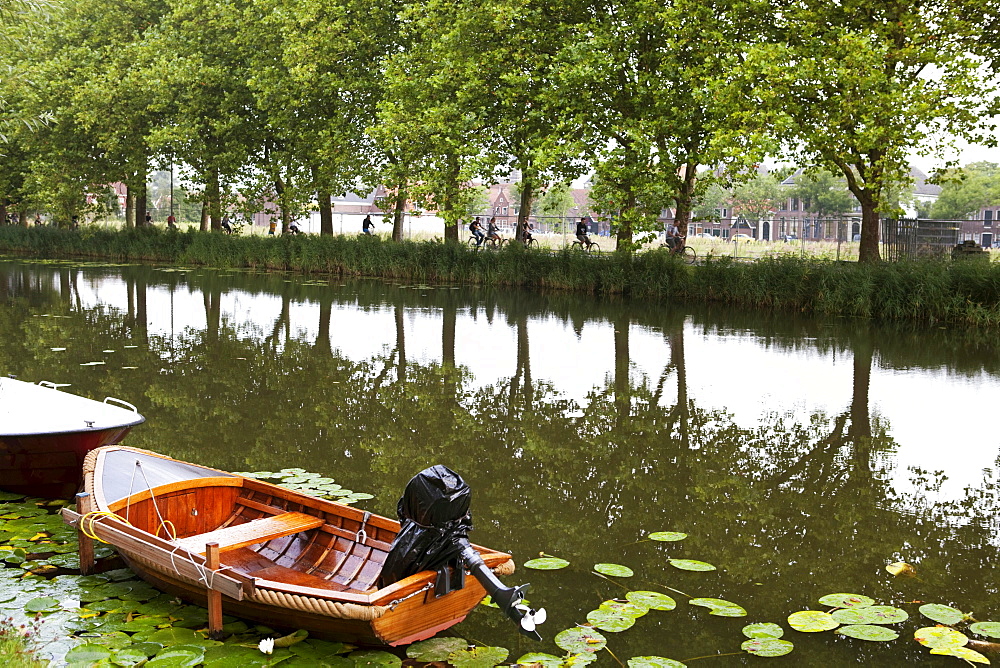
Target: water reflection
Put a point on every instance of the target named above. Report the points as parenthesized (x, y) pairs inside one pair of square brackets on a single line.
[(636, 424)]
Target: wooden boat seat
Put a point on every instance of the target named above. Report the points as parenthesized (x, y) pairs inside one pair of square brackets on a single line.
[(251, 533)]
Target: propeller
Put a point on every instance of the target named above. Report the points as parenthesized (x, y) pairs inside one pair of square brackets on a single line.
[(532, 618)]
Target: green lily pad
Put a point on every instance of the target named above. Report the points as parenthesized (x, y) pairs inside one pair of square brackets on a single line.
[(769, 647), (320, 650), (150, 649), (719, 607), (10, 496), (847, 601), (610, 620), (581, 639), (942, 614), (622, 608), (653, 600), (176, 657), (691, 565), (235, 656), (940, 636), (667, 536), (173, 636), (478, 657), (546, 564), (812, 621), (962, 653), (435, 649), (654, 662), (868, 632), (540, 658), (988, 629), (375, 658), (875, 614), (87, 653), (616, 570), (42, 604), (763, 630)]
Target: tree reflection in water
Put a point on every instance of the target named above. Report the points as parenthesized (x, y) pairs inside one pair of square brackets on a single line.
[(789, 510)]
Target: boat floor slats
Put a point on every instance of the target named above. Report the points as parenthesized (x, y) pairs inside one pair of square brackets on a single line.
[(251, 533), (252, 564)]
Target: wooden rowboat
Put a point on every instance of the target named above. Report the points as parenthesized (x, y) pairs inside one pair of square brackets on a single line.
[(45, 434), (269, 554)]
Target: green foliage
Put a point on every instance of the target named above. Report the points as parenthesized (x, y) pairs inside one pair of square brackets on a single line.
[(822, 193), (967, 190)]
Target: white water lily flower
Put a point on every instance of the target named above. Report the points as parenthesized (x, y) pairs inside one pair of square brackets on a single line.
[(266, 645)]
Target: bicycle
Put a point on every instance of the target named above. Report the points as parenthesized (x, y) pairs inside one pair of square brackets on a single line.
[(589, 247), (495, 242), (475, 243), (689, 255), (531, 242)]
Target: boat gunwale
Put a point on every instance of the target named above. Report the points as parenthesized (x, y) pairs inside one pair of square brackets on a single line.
[(139, 419)]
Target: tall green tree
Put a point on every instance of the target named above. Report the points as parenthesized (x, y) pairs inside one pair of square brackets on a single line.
[(965, 191), (823, 193), (855, 86)]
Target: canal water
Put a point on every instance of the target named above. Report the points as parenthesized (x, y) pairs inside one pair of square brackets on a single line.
[(800, 456)]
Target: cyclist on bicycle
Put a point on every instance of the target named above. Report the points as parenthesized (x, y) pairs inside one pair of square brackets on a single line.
[(581, 233), (477, 231), (492, 230), (674, 240), (526, 228)]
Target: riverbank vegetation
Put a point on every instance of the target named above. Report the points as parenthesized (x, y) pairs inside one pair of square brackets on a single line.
[(16, 646), (966, 292)]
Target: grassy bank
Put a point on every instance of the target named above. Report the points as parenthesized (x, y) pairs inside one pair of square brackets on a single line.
[(965, 292), (17, 647)]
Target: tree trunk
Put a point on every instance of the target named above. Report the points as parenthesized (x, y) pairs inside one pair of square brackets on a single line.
[(3, 214), (129, 207), (868, 250), (213, 194), (22, 217), (449, 213), (204, 216), (623, 224), (399, 211), (325, 212), (140, 201), (527, 192), (685, 197)]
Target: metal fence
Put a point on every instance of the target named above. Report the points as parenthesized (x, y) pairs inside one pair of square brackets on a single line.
[(911, 238)]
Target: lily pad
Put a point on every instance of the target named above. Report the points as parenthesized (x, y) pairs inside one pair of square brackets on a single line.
[(768, 647), (940, 636), (581, 639), (868, 632), (847, 601), (435, 649), (812, 621), (653, 600), (942, 614), (42, 604), (654, 662), (177, 657), (375, 657), (901, 568), (610, 620), (988, 629), (667, 536), (875, 614), (546, 564), (173, 636), (962, 653), (87, 653), (130, 656), (620, 607), (763, 630), (478, 657), (616, 570), (719, 607), (541, 659), (691, 565)]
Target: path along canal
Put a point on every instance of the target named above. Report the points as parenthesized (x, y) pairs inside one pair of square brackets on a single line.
[(801, 456)]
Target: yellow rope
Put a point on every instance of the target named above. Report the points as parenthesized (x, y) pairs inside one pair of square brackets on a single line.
[(169, 530), (94, 516)]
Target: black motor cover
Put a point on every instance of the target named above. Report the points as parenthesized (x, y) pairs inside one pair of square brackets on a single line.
[(435, 519)]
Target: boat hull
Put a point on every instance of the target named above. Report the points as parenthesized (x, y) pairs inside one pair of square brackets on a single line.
[(50, 465)]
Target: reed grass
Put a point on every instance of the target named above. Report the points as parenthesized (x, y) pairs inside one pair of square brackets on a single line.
[(17, 649), (965, 292)]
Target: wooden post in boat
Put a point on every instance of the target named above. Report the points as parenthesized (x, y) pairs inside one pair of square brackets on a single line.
[(87, 564), (214, 597)]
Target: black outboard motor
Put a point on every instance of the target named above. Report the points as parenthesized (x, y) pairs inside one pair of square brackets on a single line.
[(435, 519)]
